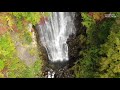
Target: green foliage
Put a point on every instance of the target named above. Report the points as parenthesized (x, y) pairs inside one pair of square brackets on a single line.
[(110, 60), (1, 64), (33, 71), (6, 46), (116, 14), (32, 17), (20, 25), (89, 23), (18, 69), (87, 20), (28, 37), (7, 50), (32, 51), (9, 21), (15, 67), (100, 58), (7, 55), (98, 33), (29, 17), (103, 30), (87, 66)]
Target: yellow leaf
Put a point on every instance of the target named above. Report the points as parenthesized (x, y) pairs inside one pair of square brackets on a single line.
[(1, 75), (98, 16)]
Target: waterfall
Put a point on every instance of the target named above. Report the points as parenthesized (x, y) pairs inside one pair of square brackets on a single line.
[(54, 33)]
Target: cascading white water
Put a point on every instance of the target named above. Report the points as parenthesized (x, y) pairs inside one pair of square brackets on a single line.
[(54, 34)]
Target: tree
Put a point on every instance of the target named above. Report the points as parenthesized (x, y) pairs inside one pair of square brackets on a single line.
[(110, 52)]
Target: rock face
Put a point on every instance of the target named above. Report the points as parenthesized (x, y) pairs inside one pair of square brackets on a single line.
[(28, 53), (23, 51), (74, 42), (61, 69)]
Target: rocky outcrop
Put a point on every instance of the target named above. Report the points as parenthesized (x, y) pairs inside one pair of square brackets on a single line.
[(74, 42), (28, 53)]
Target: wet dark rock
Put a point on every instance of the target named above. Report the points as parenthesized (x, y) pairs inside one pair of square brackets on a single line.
[(63, 73), (74, 42), (61, 69), (41, 48)]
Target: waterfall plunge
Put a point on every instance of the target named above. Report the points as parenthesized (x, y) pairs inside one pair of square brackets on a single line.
[(54, 34)]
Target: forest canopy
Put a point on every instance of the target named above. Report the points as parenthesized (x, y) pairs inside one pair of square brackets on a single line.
[(99, 56)]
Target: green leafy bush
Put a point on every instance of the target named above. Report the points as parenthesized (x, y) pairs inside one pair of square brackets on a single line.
[(33, 71), (15, 67), (1, 65), (87, 66), (6, 46), (87, 20), (110, 60), (100, 57), (32, 17), (27, 37)]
